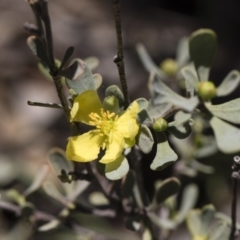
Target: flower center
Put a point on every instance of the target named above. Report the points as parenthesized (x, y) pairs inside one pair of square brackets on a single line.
[(104, 122)]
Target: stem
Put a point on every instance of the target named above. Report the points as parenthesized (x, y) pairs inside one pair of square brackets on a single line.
[(48, 105), (235, 177), (119, 58)]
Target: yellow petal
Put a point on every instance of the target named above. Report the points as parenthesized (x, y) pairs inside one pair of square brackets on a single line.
[(129, 143), (114, 148), (83, 105), (84, 148), (127, 123)]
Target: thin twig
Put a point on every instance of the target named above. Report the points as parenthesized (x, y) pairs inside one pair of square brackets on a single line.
[(235, 177), (119, 58), (48, 105)]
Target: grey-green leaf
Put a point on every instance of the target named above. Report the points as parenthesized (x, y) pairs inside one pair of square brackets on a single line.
[(147, 62), (163, 94), (229, 84), (165, 155), (81, 78), (143, 117), (220, 231), (92, 62), (114, 90), (194, 222), (208, 212), (50, 225), (98, 199), (229, 111), (117, 169), (58, 161), (39, 49), (167, 188), (189, 199), (37, 181), (182, 52), (67, 56), (191, 79), (145, 139), (202, 48), (227, 136), (143, 103)]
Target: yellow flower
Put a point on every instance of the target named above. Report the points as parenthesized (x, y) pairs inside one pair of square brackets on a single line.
[(112, 132)]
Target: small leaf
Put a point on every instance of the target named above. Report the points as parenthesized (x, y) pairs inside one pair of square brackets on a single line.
[(201, 167), (98, 80), (167, 188), (39, 49), (194, 223), (202, 48), (220, 231), (117, 169), (158, 110), (133, 223), (51, 190), (98, 199), (180, 132), (78, 188), (70, 71), (229, 84), (37, 181), (128, 183), (58, 161), (188, 201), (92, 62), (182, 52), (227, 136), (165, 155), (143, 103), (163, 94), (145, 139), (49, 226), (208, 213), (115, 91), (147, 62), (229, 111), (143, 117), (191, 79), (80, 77), (67, 56), (161, 223)]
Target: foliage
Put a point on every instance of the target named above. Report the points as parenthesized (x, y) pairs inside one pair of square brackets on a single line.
[(167, 127)]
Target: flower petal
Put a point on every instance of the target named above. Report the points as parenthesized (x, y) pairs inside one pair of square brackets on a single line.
[(84, 148), (114, 149), (127, 123), (83, 105)]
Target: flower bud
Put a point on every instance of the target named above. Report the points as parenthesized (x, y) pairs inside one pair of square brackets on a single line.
[(160, 125), (169, 66), (207, 90)]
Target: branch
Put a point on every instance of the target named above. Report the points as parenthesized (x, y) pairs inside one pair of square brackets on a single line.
[(119, 58), (48, 105), (235, 177)]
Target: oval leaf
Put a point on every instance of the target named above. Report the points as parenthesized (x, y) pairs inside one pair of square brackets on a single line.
[(145, 139), (80, 77), (227, 136), (167, 188), (202, 48), (117, 169), (191, 79), (208, 213), (194, 223), (165, 155), (59, 162), (229, 84), (229, 111), (163, 94), (147, 62)]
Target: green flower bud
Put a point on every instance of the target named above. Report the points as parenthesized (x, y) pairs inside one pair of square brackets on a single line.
[(169, 66), (111, 104), (207, 90), (160, 125)]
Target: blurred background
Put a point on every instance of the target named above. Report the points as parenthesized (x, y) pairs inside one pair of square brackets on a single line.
[(27, 133)]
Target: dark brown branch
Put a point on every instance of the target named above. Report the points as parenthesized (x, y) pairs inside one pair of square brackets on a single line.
[(119, 58), (48, 105)]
